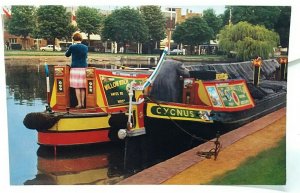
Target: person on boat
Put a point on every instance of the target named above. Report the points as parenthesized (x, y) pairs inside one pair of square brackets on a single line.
[(79, 53), (166, 86)]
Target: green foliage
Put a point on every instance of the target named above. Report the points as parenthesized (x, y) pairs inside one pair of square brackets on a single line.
[(69, 31), (125, 25), (155, 22), (257, 15), (88, 20), (22, 22), (53, 22), (247, 40), (267, 168), (212, 20), (275, 18), (193, 31), (282, 27)]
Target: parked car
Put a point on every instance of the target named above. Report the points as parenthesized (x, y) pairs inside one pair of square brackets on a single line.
[(176, 52), (50, 48)]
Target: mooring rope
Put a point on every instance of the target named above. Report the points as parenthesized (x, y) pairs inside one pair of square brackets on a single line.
[(179, 127), (207, 154)]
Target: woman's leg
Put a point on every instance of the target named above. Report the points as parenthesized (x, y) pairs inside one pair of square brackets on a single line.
[(82, 96), (78, 96)]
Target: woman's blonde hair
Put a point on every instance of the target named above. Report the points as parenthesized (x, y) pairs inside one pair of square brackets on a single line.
[(77, 37)]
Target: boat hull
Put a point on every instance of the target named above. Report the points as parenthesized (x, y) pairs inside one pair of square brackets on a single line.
[(73, 137), (262, 108), (169, 137), (71, 128)]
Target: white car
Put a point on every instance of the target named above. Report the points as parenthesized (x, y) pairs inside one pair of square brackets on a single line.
[(176, 52), (50, 48)]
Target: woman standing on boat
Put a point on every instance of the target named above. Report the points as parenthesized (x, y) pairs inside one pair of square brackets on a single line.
[(79, 53)]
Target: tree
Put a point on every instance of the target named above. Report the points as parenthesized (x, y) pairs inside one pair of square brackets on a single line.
[(22, 22), (193, 31), (70, 29), (272, 17), (155, 22), (257, 15), (88, 20), (125, 25), (282, 26), (212, 20), (53, 22), (247, 40)]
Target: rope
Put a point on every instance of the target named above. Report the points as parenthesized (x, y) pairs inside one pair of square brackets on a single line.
[(212, 152)]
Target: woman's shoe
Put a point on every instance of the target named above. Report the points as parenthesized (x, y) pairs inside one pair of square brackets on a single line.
[(78, 107)]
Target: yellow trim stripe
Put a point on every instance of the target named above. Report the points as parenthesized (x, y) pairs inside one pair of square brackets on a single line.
[(53, 95), (80, 124)]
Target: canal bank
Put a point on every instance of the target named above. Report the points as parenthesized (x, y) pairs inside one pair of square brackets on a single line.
[(237, 146), (58, 58)]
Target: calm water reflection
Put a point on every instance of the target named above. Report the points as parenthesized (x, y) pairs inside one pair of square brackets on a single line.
[(89, 164), (30, 164)]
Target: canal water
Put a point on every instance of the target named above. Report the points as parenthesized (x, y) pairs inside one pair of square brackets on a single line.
[(31, 164)]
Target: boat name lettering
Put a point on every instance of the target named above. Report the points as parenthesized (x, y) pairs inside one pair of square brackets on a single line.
[(176, 112), (173, 112), (115, 84)]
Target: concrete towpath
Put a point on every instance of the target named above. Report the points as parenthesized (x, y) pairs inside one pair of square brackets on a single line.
[(237, 146)]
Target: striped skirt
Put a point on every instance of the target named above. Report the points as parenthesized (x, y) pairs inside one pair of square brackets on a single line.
[(77, 78)]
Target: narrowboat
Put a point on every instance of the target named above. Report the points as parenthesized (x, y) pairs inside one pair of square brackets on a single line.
[(119, 104), (213, 100), (61, 124)]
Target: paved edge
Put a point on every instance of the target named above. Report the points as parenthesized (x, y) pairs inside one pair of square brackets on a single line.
[(163, 171)]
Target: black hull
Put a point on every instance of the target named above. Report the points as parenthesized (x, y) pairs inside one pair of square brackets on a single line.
[(169, 138), (262, 107)]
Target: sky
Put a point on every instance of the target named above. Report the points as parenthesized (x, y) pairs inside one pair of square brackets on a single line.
[(219, 9)]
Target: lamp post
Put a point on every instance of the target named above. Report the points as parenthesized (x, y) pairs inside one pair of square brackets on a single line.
[(170, 29)]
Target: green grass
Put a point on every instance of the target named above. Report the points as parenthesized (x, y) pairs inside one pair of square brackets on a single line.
[(31, 53), (91, 54), (267, 168)]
